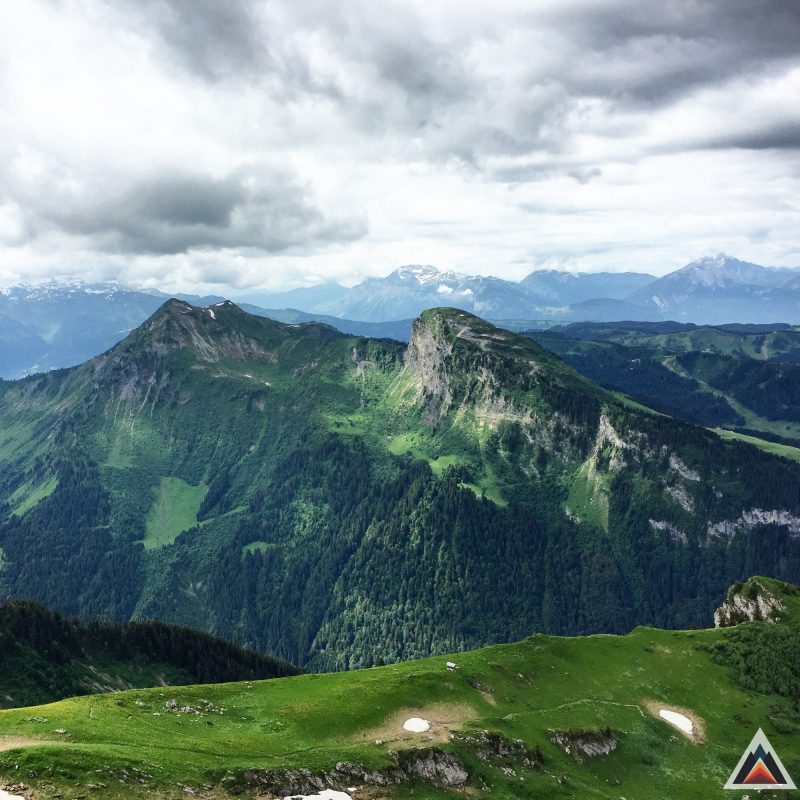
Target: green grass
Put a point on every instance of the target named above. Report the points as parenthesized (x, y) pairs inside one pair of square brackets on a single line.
[(442, 463), (349, 424), (255, 547), (785, 450), (174, 510), (486, 488), (588, 496), (523, 691), (26, 498), (119, 449), (15, 437), (403, 443), (413, 443), (629, 402)]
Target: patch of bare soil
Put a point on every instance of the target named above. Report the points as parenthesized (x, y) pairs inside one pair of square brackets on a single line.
[(698, 734), (15, 742), (443, 718)]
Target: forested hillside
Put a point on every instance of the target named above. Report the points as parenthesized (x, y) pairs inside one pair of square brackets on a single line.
[(337, 501), (739, 377), (45, 656)]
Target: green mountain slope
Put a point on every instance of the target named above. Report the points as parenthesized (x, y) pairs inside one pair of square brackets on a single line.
[(501, 723), (336, 500), (45, 656), (778, 342), (735, 377)]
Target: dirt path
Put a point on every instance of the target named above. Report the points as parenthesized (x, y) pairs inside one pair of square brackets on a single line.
[(589, 701), (15, 742)]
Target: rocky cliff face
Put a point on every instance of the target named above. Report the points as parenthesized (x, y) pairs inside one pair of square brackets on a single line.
[(427, 359), (755, 518), (748, 602), (463, 368)]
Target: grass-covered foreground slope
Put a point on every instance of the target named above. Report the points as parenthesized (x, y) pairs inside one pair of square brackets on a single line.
[(44, 656), (496, 719), (337, 501)]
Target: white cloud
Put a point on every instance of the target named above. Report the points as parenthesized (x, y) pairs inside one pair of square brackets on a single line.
[(201, 146)]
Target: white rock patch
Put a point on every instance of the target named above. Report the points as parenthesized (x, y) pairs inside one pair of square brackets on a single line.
[(416, 725), (325, 794), (678, 721), (4, 795)]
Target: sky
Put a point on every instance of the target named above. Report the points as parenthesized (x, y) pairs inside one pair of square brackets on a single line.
[(201, 145)]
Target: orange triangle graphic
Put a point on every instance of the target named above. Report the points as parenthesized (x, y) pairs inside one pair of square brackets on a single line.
[(760, 774)]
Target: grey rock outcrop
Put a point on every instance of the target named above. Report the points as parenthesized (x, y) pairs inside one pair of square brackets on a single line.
[(431, 765), (585, 744), (748, 602)]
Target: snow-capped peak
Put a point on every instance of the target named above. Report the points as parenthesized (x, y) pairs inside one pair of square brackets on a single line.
[(62, 287), (429, 277), (414, 272), (721, 269)]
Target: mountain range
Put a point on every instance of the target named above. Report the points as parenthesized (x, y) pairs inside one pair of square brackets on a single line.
[(722, 289), (742, 378), (62, 324), (712, 290), (337, 500), (409, 290)]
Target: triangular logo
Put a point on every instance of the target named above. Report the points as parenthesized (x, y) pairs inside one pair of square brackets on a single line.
[(760, 768)]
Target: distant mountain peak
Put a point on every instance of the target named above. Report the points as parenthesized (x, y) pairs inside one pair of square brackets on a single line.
[(418, 271), (723, 269), (718, 260), (721, 288), (564, 288), (425, 274)]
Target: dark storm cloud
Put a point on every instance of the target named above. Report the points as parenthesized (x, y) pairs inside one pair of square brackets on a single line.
[(779, 136), (174, 213), (213, 39), (186, 200), (634, 55), (647, 55)]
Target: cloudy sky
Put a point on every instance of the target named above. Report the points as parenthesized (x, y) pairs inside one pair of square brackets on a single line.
[(232, 144)]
